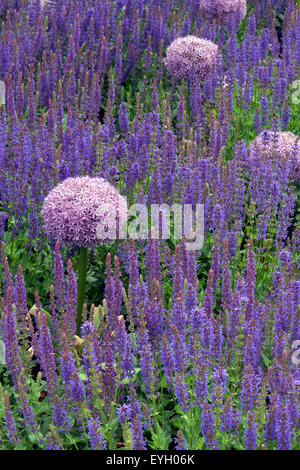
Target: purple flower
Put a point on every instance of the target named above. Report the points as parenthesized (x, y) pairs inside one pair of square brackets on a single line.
[(283, 428), (87, 328), (191, 55), (51, 445), (219, 380), (208, 427), (283, 145), (137, 434), (124, 413), (180, 441), (3, 223), (47, 356), (61, 418), (10, 336), (182, 393), (251, 432), (70, 373), (249, 388), (27, 411), (10, 420), (79, 209), (201, 387), (230, 417), (223, 9), (96, 435)]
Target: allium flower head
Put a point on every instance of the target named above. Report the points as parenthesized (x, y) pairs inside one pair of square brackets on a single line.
[(190, 56), (76, 209), (43, 3), (285, 145), (223, 9)]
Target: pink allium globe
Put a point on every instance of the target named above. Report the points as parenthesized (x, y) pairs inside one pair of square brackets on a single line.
[(285, 145), (223, 10), (74, 210), (191, 55)]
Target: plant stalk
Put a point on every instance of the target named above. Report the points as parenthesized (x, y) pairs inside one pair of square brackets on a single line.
[(81, 286)]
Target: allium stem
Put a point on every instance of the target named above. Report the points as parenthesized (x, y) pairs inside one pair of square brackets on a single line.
[(81, 286)]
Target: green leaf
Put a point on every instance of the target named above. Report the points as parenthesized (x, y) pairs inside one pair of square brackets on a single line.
[(161, 439)]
